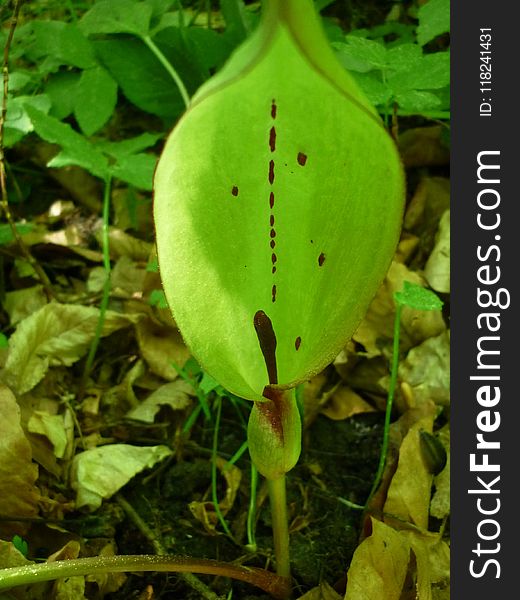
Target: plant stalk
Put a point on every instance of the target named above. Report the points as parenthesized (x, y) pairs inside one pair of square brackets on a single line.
[(169, 67), (280, 522), (272, 584), (389, 403)]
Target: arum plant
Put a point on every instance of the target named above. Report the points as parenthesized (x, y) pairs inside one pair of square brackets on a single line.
[(278, 203)]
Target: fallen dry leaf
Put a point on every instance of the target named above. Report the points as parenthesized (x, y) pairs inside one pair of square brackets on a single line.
[(17, 471), (379, 565), (175, 394), (55, 335), (437, 268), (408, 496), (161, 347), (344, 403), (440, 505), (423, 146), (376, 329), (322, 592), (100, 472), (427, 370)]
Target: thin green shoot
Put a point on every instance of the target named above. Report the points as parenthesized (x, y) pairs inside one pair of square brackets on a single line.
[(251, 512), (216, 505), (190, 421), (191, 378), (236, 456), (419, 298), (106, 286), (280, 524)]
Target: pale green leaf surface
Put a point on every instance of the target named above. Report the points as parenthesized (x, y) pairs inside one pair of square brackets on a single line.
[(434, 19), (57, 334), (96, 98), (99, 473), (343, 205)]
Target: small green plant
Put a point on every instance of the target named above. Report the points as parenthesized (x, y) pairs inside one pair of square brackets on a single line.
[(253, 294)]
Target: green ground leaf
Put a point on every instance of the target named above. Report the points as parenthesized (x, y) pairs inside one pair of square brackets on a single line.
[(6, 234), (62, 89), (238, 22), (376, 91), (117, 16), (76, 149), (431, 72), (129, 146), (96, 98), (434, 19), (63, 42), (136, 169), (417, 101), (364, 54), (143, 80), (415, 296)]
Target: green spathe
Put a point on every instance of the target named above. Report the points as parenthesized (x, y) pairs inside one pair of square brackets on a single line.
[(279, 191)]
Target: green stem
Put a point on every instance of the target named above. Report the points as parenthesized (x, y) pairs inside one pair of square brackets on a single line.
[(106, 287), (280, 525), (169, 67), (214, 470), (251, 513), (389, 402), (34, 573)]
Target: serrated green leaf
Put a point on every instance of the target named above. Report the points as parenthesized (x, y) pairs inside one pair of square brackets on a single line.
[(136, 169), (417, 101), (129, 146), (432, 72), (417, 297), (96, 98), (403, 57), (376, 91), (131, 63), (117, 16), (63, 42), (76, 149), (17, 80), (364, 51), (434, 19)]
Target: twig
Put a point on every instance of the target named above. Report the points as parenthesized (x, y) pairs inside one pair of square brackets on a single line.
[(3, 185)]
